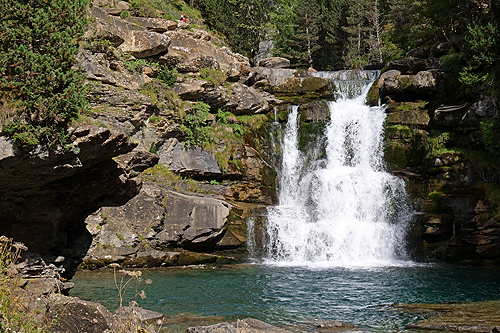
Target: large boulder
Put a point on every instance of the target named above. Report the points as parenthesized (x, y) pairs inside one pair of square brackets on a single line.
[(108, 27), (144, 44), (275, 62), (289, 82), (188, 45), (157, 218), (246, 101), (70, 314)]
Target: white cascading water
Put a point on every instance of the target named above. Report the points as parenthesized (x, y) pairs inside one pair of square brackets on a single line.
[(343, 210)]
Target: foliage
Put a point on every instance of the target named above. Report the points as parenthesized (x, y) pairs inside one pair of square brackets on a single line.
[(161, 96), (125, 14), (167, 9), (38, 46), (169, 77), (195, 126), (491, 135), (483, 52), (14, 313), (244, 22), (136, 65)]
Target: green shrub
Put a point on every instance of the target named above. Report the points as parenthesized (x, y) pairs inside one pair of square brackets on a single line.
[(169, 77), (38, 46), (136, 65), (195, 126), (124, 14)]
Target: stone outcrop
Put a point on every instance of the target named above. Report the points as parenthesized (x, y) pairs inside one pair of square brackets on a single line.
[(187, 160), (71, 183), (438, 149), (144, 44), (156, 220)]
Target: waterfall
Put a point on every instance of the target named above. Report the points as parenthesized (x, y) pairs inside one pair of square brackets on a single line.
[(343, 209)]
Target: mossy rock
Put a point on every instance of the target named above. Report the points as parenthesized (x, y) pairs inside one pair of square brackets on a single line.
[(187, 258), (373, 96)]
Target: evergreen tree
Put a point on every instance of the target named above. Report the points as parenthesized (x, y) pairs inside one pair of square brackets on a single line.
[(357, 29), (304, 42), (38, 46), (242, 21)]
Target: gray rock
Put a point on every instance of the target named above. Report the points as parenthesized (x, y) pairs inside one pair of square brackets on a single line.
[(246, 101), (248, 325), (144, 44), (188, 45), (70, 314), (195, 64), (275, 62), (160, 217), (182, 159), (191, 90), (424, 82), (147, 317)]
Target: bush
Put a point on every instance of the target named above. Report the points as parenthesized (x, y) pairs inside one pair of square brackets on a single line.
[(38, 46), (195, 126), (169, 77)]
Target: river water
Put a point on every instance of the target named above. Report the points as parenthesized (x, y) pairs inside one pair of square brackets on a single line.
[(296, 298)]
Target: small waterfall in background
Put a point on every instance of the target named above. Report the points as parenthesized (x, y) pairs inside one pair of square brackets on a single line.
[(343, 209)]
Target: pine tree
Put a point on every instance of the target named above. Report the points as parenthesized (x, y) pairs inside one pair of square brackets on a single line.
[(304, 44), (357, 29), (38, 46)]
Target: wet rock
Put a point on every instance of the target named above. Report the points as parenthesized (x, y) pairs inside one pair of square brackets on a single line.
[(248, 325), (315, 111), (410, 117), (144, 44), (335, 326), (459, 317)]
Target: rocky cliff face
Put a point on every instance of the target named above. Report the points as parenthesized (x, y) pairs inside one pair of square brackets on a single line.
[(101, 201), (438, 141)]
